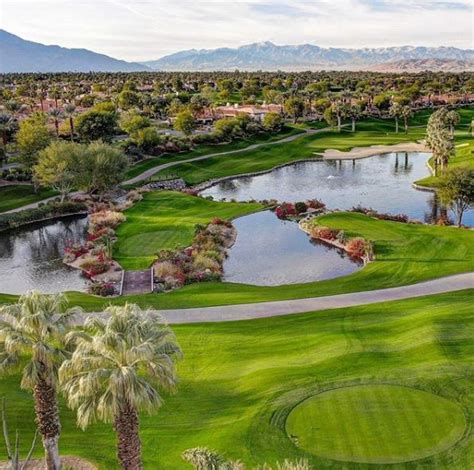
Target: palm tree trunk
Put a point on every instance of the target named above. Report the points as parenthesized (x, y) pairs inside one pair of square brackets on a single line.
[(128, 439), (338, 123), (71, 127), (396, 125), (353, 125), (47, 420), (56, 126)]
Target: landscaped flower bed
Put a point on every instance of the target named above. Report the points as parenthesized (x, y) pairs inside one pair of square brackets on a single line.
[(381, 215), (288, 210), (200, 262), (357, 247)]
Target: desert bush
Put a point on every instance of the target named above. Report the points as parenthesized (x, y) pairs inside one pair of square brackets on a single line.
[(107, 218), (301, 207), (165, 269), (104, 289), (202, 262), (358, 247)]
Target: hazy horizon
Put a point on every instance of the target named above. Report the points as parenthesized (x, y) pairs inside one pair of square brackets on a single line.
[(144, 30)]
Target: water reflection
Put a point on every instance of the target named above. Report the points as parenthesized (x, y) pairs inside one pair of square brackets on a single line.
[(31, 257), (383, 182), (270, 252)]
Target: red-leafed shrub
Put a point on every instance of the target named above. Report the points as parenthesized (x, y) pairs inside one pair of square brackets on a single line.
[(327, 233), (76, 250), (104, 289), (285, 210), (315, 204), (92, 268), (357, 247)]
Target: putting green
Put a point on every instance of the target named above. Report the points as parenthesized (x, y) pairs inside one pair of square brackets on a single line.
[(375, 424)]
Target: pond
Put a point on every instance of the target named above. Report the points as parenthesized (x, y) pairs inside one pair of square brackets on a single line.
[(269, 252), (31, 257), (383, 182)]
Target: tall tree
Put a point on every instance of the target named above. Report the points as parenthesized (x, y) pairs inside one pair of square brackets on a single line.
[(395, 112), (32, 137), (117, 370), (57, 166), (406, 113), (294, 107), (69, 112), (456, 190), (32, 330), (56, 114)]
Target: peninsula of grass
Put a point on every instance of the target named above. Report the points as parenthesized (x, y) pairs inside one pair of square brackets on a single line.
[(166, 220), (464, 156), (14, 196), (405, 254), (240, 381)]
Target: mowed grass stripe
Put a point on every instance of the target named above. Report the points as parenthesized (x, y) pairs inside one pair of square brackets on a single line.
[(166, 220)]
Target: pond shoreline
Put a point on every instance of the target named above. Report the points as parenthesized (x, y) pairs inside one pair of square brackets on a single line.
[(328, 155), (44, 219), (356, 153)]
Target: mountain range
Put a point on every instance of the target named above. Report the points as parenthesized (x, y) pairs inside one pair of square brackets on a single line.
[(20, 55), (268, 56)]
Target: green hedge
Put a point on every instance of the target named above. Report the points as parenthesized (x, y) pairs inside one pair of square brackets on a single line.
[(52, 209)]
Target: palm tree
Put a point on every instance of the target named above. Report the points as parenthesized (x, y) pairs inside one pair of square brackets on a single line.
[(395, 112), (69, 111), (354, 113), (56, 114), (340, 110), (117, 369), (406, 113), (34, 328), (452, 119)]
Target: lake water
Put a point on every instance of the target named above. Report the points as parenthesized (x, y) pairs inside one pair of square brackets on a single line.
[(383, 182), (31, 257), (269, 251)]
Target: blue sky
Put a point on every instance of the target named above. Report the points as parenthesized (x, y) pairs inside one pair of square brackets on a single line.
[(149, 29)]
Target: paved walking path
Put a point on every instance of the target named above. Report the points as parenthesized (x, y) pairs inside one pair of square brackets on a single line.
[(287, 307), (137, 282), (152, 171)]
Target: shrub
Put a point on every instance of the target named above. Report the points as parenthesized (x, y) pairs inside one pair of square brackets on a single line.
[(54, 209), (301, 207), (92, 267), (315, 204), (285, 210), (327, 233), (202, 262), (165, 269), (358, 247), (104, 289), (107, 218)]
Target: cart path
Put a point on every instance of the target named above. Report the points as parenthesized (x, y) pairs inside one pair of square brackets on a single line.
[(287, 307), (152, 171)]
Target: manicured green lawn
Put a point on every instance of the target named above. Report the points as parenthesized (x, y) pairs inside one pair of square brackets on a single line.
[(15, 196), (368, 132), (205, 149), (376, 424), (166, 220), (405, 254), (239, 382)]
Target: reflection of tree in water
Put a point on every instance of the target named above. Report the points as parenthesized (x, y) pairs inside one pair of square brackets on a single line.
[(402, 165), (437, 210)]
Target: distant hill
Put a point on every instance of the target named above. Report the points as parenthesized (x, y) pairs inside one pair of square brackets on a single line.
[(268, 56), (419, 65), (19, 55)]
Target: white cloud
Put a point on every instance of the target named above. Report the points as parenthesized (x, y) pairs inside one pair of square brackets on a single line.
[(148, 29)]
